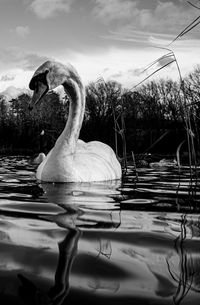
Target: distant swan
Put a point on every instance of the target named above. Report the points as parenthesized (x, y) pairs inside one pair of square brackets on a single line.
[(164, 163), (37, 160), (71, 160)]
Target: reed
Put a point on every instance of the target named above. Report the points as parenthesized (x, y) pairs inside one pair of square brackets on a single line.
[(118, 114), (191, 133), (185, 278), (178, 154)]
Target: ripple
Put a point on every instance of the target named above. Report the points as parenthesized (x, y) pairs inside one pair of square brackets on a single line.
[(29, 207), (147, 178), (25, 173), (4, 170), (14, 195), (126, 189), (139, 201), (10, 180), (163, 191), (133, 236)]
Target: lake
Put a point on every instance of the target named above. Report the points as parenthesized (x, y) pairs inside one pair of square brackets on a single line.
[(135, 241)]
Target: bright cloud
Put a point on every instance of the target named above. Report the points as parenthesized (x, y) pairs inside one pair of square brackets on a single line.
[(122, 65), (21, 80), (12, 92), (7, 77), (47, 8)]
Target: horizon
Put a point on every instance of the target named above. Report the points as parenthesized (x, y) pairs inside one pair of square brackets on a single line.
[(113, 39)]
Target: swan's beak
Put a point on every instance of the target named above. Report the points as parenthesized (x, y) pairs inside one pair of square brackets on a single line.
[(38, 95)]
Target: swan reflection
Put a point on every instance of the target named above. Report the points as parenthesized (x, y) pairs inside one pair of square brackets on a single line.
[(85, 205), (59, 291), (70, 198)]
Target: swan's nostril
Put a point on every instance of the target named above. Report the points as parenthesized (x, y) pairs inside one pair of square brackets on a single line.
[(30, 108)]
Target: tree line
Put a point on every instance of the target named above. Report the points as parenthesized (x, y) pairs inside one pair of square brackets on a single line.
[(152, 118)]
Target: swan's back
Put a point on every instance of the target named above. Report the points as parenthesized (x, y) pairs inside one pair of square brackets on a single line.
[(96, 161)]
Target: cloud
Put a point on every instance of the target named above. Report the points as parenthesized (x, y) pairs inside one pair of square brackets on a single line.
[(48, 8), (15, 61), (108, 10), (31, 61), (22, 31), (169, 17), (135, 72), (12, 92), (12, 58), (138, 38), (7, 77), (118, 74), (160, 17)]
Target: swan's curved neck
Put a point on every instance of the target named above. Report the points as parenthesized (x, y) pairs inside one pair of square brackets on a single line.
[(70, 134)]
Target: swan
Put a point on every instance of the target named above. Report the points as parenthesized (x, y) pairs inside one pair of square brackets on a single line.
[(163, 163), (71, 159), (37, 160)]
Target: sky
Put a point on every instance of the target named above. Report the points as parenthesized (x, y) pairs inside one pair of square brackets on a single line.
[(113, 39)]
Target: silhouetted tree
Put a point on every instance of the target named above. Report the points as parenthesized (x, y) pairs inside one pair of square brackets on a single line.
[(144, 115)]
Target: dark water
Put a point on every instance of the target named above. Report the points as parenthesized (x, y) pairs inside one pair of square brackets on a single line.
[(135, 242)]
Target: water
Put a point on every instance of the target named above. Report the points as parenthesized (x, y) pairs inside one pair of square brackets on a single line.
[(136, 242)]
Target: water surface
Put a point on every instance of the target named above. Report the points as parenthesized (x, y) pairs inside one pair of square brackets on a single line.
[(130, 242)]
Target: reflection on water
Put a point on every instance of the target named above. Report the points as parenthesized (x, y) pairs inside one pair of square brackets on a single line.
[(135, 242)]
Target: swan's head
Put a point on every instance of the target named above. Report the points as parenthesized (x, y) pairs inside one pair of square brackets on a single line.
[(48, 76)]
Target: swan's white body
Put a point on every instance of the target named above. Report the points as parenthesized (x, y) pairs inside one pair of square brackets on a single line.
[(93, 161), (72, 160)]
